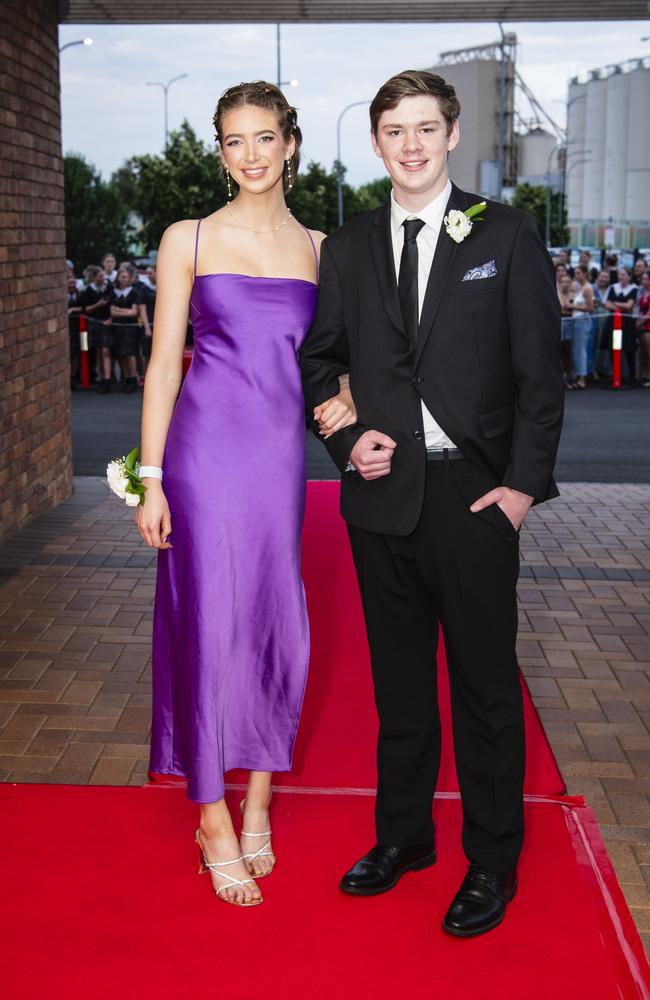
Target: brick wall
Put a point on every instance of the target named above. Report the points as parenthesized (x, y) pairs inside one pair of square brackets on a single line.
[(35, 446)]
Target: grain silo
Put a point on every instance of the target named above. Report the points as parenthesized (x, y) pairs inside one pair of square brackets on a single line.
[(608, 164)]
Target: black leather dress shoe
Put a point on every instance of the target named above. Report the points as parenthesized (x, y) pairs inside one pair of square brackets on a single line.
[(381, 868), (480, 903)]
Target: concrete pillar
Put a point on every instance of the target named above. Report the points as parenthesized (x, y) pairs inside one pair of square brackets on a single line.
[(35, 445)]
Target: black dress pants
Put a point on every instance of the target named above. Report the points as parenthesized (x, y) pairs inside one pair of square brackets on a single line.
[(459, 569)]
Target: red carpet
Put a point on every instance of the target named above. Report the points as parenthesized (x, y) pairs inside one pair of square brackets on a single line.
[(103, 902), (339, 697)]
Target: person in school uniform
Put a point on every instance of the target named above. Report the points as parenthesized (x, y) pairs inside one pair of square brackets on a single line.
[(95, 300), (124, 312), (109, 263), (146, 305), (74, 311)]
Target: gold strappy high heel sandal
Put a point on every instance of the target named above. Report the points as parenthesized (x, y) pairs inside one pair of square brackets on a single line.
[(265, 851), (214, 866)]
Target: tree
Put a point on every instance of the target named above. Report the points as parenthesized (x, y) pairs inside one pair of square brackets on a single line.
[(534, 198), (372, 195), (96, 219), (185, 181), (123, 181), (313, 199)]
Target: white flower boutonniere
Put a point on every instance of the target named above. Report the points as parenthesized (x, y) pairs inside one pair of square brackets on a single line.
[(124, 480), (459, 224)]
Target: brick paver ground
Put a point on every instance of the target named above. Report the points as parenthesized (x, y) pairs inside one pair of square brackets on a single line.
[(76, 590)]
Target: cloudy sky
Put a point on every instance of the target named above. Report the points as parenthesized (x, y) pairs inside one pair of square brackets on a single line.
[(109, 113)]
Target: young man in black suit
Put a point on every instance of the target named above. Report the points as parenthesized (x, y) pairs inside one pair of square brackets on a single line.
[(451, 335)]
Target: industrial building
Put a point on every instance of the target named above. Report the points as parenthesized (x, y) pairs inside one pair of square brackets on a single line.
[(486, 82), (476, 76), (608, 156)]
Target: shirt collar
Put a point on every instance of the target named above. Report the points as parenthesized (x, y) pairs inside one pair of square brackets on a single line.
[(431, 214)]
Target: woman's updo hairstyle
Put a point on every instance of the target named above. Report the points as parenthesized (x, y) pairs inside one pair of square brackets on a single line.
[(262, 95)]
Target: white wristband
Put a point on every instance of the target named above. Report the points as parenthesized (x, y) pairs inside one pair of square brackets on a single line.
[(150, 472)]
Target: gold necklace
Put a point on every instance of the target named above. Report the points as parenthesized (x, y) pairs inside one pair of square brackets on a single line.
[(259, 232)]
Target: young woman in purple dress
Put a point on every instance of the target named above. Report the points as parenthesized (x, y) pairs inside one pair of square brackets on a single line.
[(224, 467)]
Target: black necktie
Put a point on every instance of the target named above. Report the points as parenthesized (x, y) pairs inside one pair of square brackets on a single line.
[(408, 279)]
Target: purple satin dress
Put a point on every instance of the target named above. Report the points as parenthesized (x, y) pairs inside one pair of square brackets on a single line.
[(230, 630)]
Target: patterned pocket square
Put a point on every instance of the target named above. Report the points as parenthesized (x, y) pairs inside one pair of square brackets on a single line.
[(487, 270)]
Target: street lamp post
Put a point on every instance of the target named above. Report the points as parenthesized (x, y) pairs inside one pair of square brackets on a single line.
[(561, 146), (574, 100), (278, 45), (578, 163), (78, 41), (165, 88), (577, 152), (339, 178), (502, 114), (556, 149)]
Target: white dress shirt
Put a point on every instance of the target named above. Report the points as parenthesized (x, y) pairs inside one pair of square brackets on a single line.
[(432, 216)]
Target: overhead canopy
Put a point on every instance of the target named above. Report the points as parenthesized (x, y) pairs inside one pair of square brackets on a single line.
[(285, 11)]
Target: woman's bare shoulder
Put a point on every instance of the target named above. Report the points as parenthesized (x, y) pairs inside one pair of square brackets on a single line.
[(181, 232), (317, 236)]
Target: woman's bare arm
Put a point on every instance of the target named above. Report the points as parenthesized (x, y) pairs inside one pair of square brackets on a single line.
[(164, 374)]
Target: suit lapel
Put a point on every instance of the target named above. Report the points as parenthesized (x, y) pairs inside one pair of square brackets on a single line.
[(443, 258), (381, 247)]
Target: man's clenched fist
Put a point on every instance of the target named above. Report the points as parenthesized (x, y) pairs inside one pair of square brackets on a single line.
[(372, 454)]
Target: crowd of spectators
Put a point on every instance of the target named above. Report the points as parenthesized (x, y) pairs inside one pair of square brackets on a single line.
[(118, 305), (589, 297)]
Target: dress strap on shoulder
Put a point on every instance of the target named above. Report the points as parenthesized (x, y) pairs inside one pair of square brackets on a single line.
[(316, 257), (196, 246)]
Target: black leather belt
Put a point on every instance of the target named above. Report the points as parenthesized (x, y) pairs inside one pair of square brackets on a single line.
[(444, 455)]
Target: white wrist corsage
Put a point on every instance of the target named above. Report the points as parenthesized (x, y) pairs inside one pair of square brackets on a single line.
[(459, 224), (123, 475)]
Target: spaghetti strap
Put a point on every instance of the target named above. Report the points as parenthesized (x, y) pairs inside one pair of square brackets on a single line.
[(196, 246), (313, 246)]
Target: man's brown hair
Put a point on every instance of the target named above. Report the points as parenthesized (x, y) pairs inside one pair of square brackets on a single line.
[(413, 83)]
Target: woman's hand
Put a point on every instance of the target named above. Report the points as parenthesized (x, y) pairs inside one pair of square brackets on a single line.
[(153, 517), (336, 413)]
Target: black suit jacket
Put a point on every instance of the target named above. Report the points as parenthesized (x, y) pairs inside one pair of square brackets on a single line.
[(487, 362)]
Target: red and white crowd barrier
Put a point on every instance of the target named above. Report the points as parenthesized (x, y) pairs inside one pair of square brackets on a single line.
[(83, 345), (617, 344)]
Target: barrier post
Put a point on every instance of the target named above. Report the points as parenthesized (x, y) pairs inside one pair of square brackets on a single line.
[(83, 345), (617, 344)]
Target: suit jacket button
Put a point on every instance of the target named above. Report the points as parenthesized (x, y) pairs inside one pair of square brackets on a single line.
[(417, 380), (417, 435)]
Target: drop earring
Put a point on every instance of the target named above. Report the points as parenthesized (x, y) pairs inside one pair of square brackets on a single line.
[(228, 183), (289, 175)]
